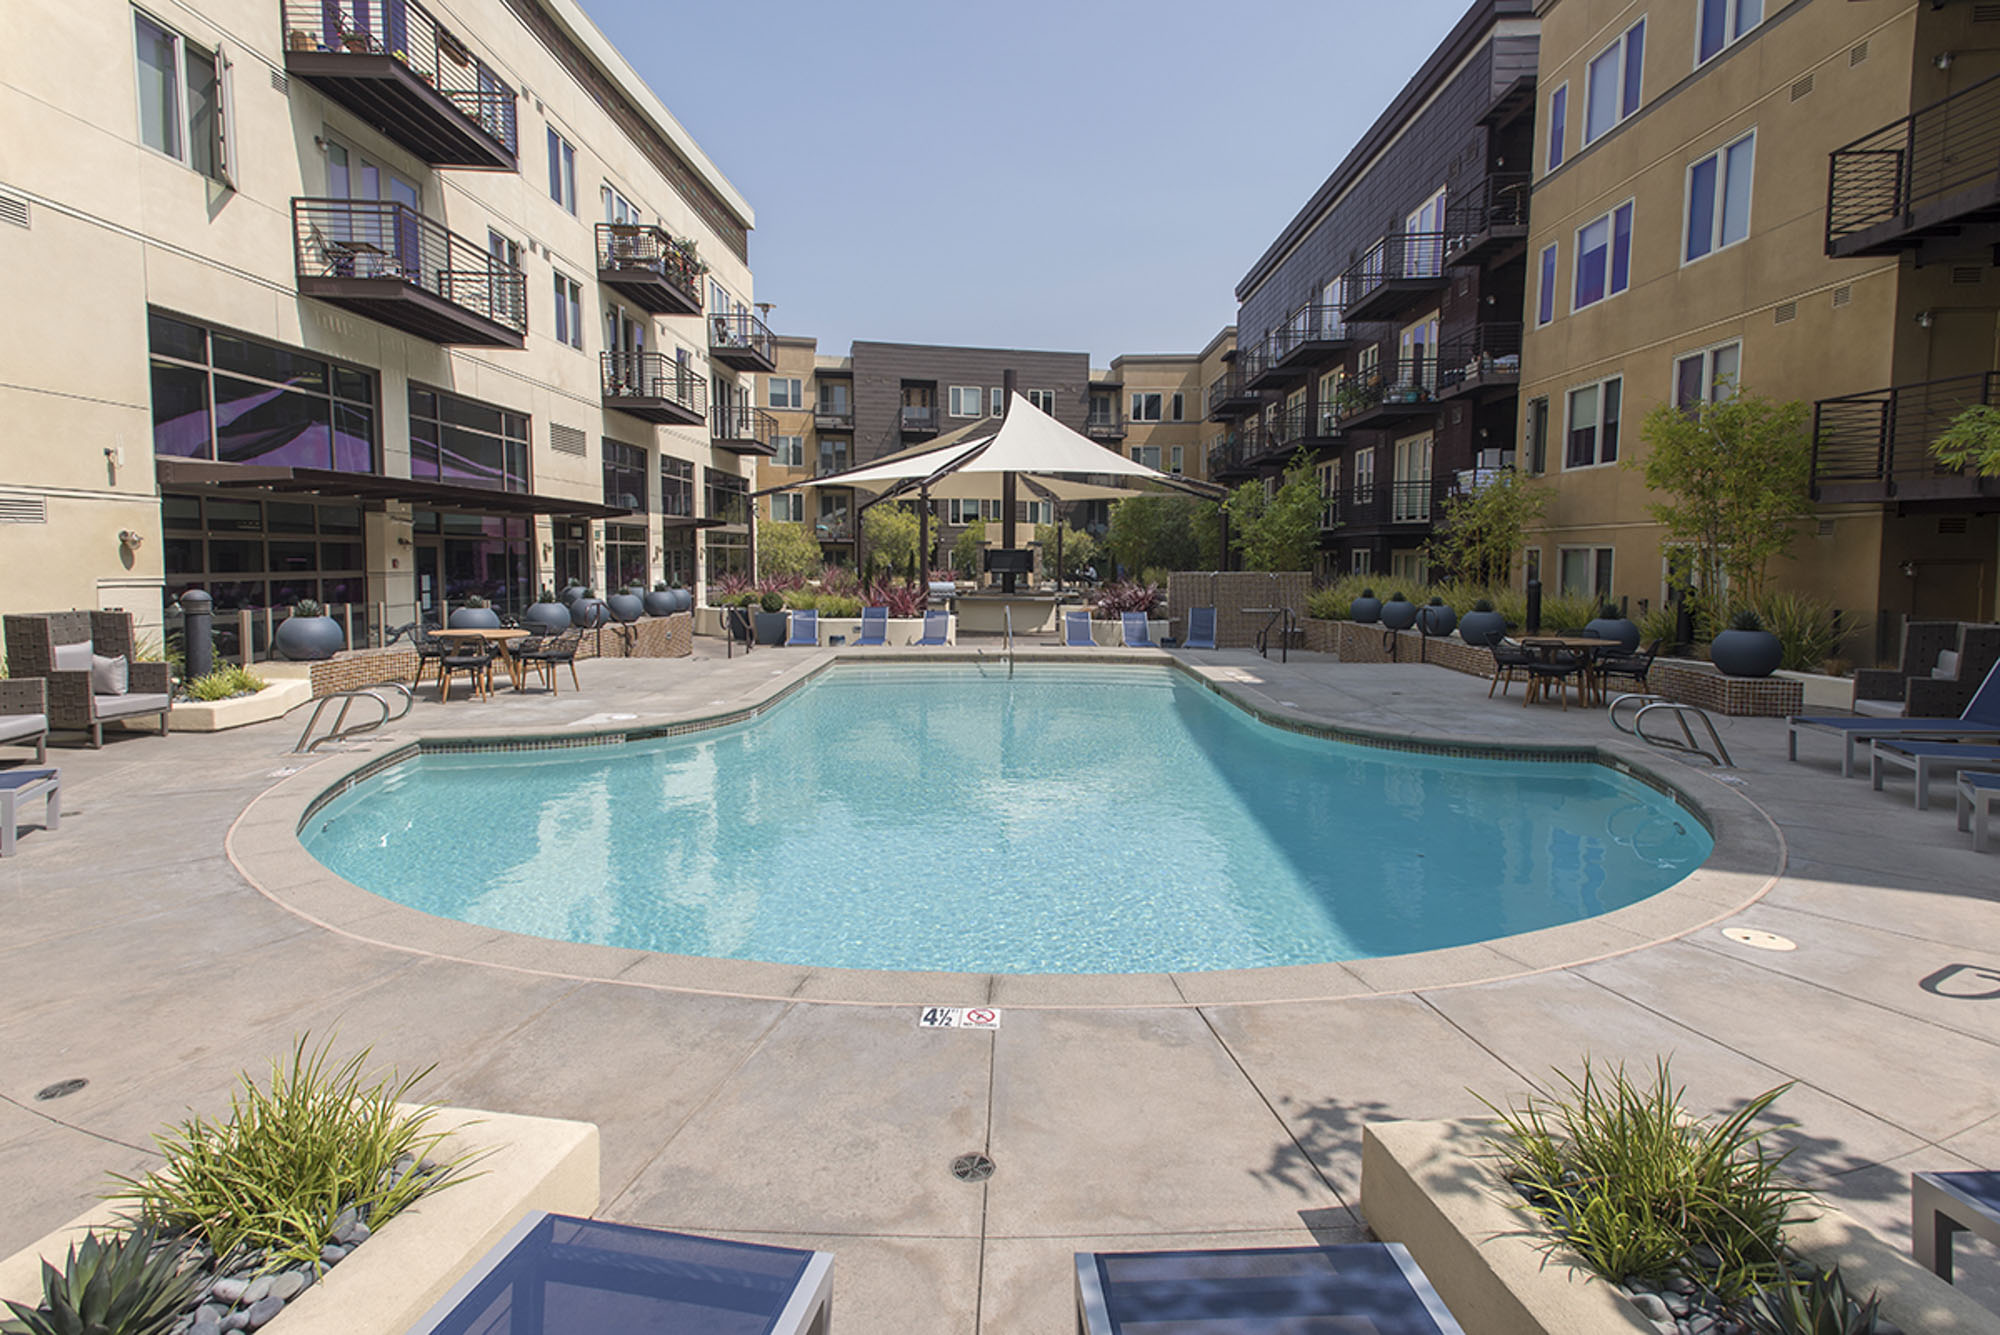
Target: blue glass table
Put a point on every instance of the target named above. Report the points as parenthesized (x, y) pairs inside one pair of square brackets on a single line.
[(1369, 1288), (1942, 1204), (560, 1275)]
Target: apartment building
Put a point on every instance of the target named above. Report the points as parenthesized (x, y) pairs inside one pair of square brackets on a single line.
[(1795, 198), (1380, 331), (372, 301), (1151, 406)]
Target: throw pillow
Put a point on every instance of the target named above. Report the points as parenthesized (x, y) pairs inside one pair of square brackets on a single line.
[(74, 657), (1947, 665), (109, 676)]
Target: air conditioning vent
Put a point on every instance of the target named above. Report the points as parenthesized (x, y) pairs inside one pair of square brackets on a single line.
[(1857, 55), (279, 83), (1826, 528), (1785, 313), (1967, 273), (1986, 13), (1802, 87), (1843, 295), (23, 510), (566, 439), (1951, 526), (13, 209)]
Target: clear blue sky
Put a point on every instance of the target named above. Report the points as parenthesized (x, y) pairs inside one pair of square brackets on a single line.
[(1088, 175)]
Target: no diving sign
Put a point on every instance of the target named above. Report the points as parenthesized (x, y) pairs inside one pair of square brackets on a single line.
[(958, 1017)]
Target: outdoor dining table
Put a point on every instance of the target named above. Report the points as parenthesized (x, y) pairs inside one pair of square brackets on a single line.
[(500, 637), (1548, 646)]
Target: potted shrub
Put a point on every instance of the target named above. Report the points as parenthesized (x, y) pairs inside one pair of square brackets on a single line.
[(1482, 627), (588, 610), (1399, 613), (660, 602), (626, 605), (1612, 624), (770, 618), (546, 615), (1366, 609), (475, 613), (308, 635), (1436, 619), (1746, 649)]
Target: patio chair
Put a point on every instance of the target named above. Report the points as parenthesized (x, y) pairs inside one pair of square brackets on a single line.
[(86, 662), (1076, 631), (1510, 661), (1925, 760), (937, 628), (1978, 794), (1560, 667), (16, 787), (1200, 629), (1628, 667), (1948, 687), (1133, 626), (804, 630), (547, 653), (24, 715), (1979, 722), (874, 626), (1362, 1286), (476, 662), (1923, 641), (430, 656)]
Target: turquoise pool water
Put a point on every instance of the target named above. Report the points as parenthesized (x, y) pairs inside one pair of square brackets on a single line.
[(1066, 820)]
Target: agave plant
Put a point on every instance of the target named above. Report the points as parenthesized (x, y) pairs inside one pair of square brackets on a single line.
[(1818, 1305), (308, 607), (1745, 619), (902, 600), (110, 1284)]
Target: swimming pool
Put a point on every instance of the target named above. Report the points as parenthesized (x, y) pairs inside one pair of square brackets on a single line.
[(1062, 820)]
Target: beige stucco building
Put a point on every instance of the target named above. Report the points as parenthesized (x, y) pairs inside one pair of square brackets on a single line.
[(1681, 241), (385, 303)]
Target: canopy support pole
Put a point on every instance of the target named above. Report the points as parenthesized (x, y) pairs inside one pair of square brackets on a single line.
[(924, 533), (1008, 487)]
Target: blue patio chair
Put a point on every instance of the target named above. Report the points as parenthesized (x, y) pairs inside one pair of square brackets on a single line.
[(937, 626), (1076, 631), (1372, 1286), (1925, 760), (805, 630), (874, 626), (1136, 634), (1980, 721), (1201, 629)]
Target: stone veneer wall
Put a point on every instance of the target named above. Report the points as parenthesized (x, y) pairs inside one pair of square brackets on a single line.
[(1229, 592), (648, 637), (352, 669), (1736, 697)]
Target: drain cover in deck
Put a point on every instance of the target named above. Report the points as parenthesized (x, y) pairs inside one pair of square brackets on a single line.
[(972, 1168)]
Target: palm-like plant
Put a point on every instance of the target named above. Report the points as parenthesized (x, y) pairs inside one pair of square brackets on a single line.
[(110, 1284)]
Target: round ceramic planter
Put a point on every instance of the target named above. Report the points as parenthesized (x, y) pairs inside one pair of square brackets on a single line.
[(1399, 616), (1482, 630), (1746, 653), (1437, 621), (1367, 611), (474, 618), (659, 603), (1620, 629), (589, 613), (546, 618), (309, 639), (626, 607)]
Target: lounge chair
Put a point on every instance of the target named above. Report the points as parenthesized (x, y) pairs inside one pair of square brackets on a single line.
[(90, 669), (1978, 793), (1372, 1286), (1200, 629), (1925, 760), (17, 786), (24, 715), (937, 626), (1076, 631), (1133, 626), (1979, 722), (874, 626), (805, 630)]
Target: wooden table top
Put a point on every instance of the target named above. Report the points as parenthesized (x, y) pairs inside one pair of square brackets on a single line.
[(1567, 642), (482, 632)]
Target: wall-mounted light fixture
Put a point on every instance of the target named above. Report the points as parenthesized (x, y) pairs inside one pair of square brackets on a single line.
[(1925, 319), (1909, 570), (131, 538), (1942, 60)]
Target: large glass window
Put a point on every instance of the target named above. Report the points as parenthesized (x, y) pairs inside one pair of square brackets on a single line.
[(466, 442), (624, 475), (1708, 376), (1147, 407), (836, 397), (786, 392), (1718, 194), (183, 97), (788, 451), (247, 553), (728, 553), (1593, 424), (221, 396), (625, 561), (562, 170), (1603, 258), (1545, 298), (1722, 23), (728, 496), (676, 486), (1614, 82), (966, 400), (484, 555), (833, 454), (569, 311)]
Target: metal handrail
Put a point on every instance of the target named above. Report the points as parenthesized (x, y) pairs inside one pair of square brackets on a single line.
[(387, 239), (1884, 434), (405, 29), (735, 421), (649, 249), (340, 732), (1397, 257), (1007, 621), (1719, 756), (740, 329), (1927, 156), (654, 375)]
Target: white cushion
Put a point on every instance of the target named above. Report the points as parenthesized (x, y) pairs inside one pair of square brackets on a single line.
[(122, 706), (109, 676), (1947, 665), (22, 725), (74, 657)]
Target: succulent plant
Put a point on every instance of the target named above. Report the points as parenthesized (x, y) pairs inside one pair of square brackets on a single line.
[(1816, 1305), (475, 600), (1368, 593), (1483, 605), (1746, 620), (1398, 597), (772, 602), (110, 1284), (1610, 612), (1437, 602), (660, 586), (308, 607), (547, 595)]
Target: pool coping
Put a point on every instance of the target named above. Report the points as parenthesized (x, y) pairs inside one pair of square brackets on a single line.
[(1748, 858)]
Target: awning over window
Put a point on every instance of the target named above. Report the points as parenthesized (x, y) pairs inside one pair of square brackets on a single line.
[(327, 483)]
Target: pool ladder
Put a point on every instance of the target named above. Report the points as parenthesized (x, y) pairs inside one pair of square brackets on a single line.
[(1715, 753), (340, 731)]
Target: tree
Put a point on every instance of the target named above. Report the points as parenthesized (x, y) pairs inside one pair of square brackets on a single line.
[(965, 551), (1971, 441), (1079, 549), (1478, 534), (889, 532), (1278, 530), (1166, 532), (786, 549), (1739, 472)]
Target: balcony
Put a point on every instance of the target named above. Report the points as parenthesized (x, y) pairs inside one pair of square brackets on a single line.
[(1399, 394), (1225, 461), (920, 420), (393, 65), (740, 339), (1260, 367), (1488, 223), (834, 528), (388, 262), (1393, 506), (1929, 175), (742, 430), (654, 388), (658, 273), (1314, 336), (833, 418), (1875, 446), (1104, 428), (1228, 398), (1402, 272), (1484, 362)]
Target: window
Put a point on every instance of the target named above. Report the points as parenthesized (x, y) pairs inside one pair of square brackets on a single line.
[(1039, 512), (184, 100), (959, 513), (832, 454), (787, 392), (617, 208), (1718, 194), (1585, 572), (562, 170), (624, 476), (1149, 455), (1558, 124), (996, 402), (1147, 407), (1612, 92), (1603, 258), (789, 507), (1103, 408), (676, 487), (569, 311), (1538, 436), (1409, 567), (788, 451), (1045, 399), (1593, 424), (1545, 299), (965, 400), (1175, 407), (728, 496), (836, 398), (466, 442), (1174, 459), (1708, 376), (1361, 561), (1364, 475), (1723, 22)]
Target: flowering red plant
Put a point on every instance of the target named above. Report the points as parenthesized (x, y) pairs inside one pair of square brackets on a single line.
[(902, 600), (1113, 600), (727, 587)]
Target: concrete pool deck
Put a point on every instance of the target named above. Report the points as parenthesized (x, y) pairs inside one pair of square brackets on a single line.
[(134, 953)]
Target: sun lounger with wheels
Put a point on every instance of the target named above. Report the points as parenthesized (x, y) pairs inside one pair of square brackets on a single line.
[(874, 626), (1200, 629), (1980, 721), (1137, 636), (1926, 760), (1978, 794), (937, 626), (1076, 631), (805, 630), (1364, 1286)]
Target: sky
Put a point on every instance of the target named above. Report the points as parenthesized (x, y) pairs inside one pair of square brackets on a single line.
[(1090, 176)]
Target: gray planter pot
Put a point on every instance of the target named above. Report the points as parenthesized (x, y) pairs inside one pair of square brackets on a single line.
[(626, 607), (546, 618), (1746, 653), (569, 594), (1399, 616), (1437, 622), (309, 639), (1482, 630), (770, 627), (474, 618), (1367, 611), (659, 603), (589, 613), (1620, 629), (683, 599)]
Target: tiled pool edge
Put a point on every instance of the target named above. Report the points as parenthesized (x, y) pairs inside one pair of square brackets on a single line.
[(1748, 857)]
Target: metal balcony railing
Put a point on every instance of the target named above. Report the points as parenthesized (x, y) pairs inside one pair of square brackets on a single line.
[(827, 418), (1934, 164), (740, 333), (833, 529), (1407, 384), (1484, 354), (1493, 204), (1384, 504), (1104, 428), (737, 422), (382, 239), (1226, 456), (1314, 324), (1287, 427), (920, 418), (642, 249), (1397, 260), (1884, 435), (407, 31), (1226, 388), (654, 375)]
